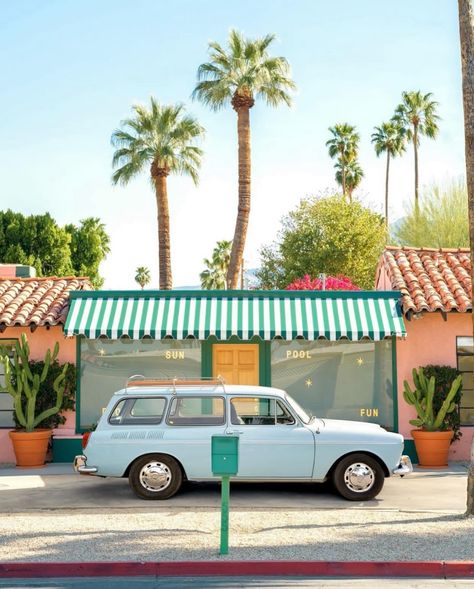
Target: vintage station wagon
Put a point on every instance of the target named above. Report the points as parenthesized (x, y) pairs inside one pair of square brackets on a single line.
[(158, 434)]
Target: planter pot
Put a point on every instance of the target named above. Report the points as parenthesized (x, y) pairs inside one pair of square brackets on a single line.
[(30, 447), (432, 447)]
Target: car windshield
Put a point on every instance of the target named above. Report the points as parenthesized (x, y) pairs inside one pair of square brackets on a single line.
[(300, 412)]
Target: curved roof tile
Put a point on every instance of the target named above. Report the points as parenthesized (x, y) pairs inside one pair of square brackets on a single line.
[(430, 279), (37, 301)]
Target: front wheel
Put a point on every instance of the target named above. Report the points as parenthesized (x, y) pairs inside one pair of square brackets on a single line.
[(155, 477), (358, 477)]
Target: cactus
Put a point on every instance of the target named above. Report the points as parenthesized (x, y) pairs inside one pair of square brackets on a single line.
[(24, 386), (422, 399)]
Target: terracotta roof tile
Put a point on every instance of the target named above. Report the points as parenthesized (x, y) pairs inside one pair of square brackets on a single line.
[(37, 301), (430, 279)]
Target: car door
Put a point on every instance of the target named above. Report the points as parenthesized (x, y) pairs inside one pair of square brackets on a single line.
[(191, 422), (273, 444)]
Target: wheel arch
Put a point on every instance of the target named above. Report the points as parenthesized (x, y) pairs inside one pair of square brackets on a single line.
[(367, 453), (127, 470)]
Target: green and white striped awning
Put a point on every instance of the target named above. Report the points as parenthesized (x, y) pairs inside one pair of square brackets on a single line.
[(266, 314)]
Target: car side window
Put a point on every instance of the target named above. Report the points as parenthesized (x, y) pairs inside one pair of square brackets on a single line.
[(205, 410), (138, 411), (259, 411)]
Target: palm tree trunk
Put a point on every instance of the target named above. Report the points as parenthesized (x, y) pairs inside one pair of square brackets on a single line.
[(415, 149), (466, 30), (386, 188), (164, 245), (343, 172), (240, 233)]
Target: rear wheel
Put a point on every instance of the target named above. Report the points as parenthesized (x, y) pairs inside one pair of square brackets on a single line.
[(358, 477), (155, 477)]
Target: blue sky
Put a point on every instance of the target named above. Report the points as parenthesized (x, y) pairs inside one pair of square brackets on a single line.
[(71, 70)]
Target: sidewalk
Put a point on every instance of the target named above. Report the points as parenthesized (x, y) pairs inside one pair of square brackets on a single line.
[(71, 518), (424, 490)]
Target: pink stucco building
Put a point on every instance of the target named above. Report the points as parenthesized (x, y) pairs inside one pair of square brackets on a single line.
[(435, 288), (38, 308)]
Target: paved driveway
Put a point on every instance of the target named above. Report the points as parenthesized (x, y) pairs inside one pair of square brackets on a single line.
[(57, 487)]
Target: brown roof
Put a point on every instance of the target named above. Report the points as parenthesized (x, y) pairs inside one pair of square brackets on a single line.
[(34, 302), (430, 279)]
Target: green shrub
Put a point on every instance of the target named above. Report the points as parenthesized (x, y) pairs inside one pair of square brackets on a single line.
[(444, 377)]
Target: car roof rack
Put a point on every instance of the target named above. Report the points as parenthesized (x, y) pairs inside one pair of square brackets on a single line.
[(138, 380)]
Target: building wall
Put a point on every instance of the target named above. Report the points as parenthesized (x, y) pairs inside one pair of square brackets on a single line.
[(431, 340), (40, 340)]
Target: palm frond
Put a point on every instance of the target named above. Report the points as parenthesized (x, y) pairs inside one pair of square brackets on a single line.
[(245, 67)]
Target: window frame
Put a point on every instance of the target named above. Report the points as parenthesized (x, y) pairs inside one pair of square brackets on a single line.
[(271, 398), (138, 421), (464, 355), (3, 342), (202, 397)]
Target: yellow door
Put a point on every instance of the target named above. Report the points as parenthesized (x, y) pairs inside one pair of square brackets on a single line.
[(236, 363)]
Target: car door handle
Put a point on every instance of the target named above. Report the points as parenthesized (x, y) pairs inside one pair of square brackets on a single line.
[(234, 431)]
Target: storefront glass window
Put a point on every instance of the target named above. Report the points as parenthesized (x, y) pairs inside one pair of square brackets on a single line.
[(338, 380), (465, 354), (106, 365)]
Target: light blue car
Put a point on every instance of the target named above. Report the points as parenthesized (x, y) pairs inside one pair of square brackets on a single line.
[(158, 434)]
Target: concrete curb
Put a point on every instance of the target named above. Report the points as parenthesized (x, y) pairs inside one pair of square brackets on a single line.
[(426, 569)]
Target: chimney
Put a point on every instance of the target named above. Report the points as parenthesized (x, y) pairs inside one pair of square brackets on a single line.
[(16, 271)]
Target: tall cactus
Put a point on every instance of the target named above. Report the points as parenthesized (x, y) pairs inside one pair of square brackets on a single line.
[(24, 386), (422, 399)]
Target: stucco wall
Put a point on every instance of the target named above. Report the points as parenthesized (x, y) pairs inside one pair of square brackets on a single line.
[(39, 341), (431, 340)]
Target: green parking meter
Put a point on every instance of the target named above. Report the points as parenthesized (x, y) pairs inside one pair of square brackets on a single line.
[(225, 463)]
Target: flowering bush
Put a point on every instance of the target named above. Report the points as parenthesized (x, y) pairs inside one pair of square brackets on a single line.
[(332, 283)]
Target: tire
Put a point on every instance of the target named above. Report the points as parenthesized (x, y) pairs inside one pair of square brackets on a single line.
[(155, 476), (358, 486)]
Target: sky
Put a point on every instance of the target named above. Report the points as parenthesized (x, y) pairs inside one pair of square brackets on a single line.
[(70, 72)]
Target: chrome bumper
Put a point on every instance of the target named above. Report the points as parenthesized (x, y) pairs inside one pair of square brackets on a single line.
[(81, 467), (405, 466)]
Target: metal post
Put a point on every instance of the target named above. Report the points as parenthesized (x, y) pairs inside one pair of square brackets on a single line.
[(225, 492)]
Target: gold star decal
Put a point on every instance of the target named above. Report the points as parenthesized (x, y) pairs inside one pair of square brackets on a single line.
[(308, 382), (360, 361)]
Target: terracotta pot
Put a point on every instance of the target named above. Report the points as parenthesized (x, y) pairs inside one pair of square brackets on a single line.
[(432, 447), (30, 447)]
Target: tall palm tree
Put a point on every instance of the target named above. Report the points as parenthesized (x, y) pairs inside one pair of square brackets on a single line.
[(466, 30), (353, 175), (389, 138), (417, 116), (344, 146), (237, 75), (163, 138), (142, 276)]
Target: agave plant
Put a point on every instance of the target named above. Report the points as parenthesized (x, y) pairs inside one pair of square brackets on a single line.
[(422, 399)]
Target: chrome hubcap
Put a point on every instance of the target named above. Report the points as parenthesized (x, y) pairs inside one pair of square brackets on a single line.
[(359, 477), (155, 476)]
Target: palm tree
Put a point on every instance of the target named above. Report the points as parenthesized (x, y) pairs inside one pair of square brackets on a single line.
[(388, 138), (221, 254), (344, 146), (417, 116), (161, 137), (237, 75), (214, 276), (466, 30), (353, 175), (142, 276)]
